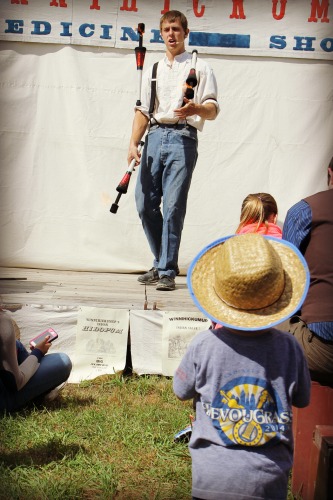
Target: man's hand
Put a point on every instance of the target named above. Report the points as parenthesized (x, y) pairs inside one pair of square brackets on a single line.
[(205, 111), (139, 127), (133, 154), (189, 109)]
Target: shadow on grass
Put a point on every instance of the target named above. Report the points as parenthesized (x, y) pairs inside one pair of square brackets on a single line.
[(57, 404), (70, 402), (40, 455), (62, 403)]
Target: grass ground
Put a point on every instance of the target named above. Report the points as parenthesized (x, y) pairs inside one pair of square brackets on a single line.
[(110, 438)]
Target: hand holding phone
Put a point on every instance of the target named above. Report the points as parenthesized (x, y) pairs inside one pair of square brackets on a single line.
[(52, 334)]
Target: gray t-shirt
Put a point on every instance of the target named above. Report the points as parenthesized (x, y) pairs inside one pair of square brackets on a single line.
[(244, 388)]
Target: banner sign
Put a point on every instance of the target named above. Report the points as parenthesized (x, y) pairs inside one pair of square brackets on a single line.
[(273, 28)]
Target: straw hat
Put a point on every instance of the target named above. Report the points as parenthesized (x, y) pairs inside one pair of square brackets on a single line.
[(249, 281)]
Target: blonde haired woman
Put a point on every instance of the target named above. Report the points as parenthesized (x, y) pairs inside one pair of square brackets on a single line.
[(259, 215)]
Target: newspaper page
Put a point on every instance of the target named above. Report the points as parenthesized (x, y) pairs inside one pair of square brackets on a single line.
[(146, 341), (179, 328), (101, 342)]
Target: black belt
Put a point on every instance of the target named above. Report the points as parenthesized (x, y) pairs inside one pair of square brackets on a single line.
[(176, 126)]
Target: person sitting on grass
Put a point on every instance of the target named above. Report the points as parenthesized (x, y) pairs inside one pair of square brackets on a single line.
[(246, 376), (25, 377)]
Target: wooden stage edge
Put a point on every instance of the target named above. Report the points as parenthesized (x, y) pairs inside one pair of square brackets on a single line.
[(79, 288)]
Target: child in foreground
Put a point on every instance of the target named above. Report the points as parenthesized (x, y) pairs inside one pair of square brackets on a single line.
[(258, 215), (246, 376)]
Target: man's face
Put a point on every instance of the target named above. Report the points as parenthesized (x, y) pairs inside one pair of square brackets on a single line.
[(173, 36)]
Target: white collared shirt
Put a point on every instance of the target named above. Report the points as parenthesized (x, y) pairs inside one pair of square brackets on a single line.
[(170, 89)]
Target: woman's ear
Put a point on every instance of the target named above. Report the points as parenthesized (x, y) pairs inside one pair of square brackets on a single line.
[(272, 218)]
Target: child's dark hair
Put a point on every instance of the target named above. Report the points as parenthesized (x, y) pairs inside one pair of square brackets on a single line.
[(257, 208), (171, 16), (330, 166)]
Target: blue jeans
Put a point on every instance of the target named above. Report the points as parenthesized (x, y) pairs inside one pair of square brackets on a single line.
[(54, 369), (167, 165)]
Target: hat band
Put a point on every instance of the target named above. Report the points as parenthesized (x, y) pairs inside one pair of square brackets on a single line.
[(248, 308)]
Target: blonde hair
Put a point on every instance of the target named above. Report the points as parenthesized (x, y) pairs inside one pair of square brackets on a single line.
[(257, 208)]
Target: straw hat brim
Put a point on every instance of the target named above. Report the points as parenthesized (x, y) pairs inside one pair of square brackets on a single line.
[(200, 280)]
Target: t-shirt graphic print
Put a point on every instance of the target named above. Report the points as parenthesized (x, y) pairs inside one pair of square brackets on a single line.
[(248, 412)]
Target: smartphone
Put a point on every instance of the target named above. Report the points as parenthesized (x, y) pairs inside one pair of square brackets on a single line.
[(49, 332)]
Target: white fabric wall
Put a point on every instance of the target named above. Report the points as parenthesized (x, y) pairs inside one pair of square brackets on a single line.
[(66, 116)]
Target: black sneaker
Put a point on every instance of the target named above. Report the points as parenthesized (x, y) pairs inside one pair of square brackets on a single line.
[(150, 277), (184, 435), (166, 283)]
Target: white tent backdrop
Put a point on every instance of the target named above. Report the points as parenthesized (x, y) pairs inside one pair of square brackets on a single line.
[(66, 116)]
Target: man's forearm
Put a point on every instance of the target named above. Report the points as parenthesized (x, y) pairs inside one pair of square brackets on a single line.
[(139, 127), (206, 111)]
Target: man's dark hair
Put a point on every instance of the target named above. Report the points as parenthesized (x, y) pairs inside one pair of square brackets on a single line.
[(329, 175), (331, 164), (171, 16)]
